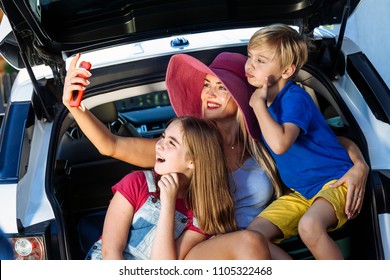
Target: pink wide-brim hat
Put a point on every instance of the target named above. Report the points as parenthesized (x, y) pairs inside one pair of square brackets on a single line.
[(185, 80)]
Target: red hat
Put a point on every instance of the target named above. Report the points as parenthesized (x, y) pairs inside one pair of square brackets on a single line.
[(185, 81)]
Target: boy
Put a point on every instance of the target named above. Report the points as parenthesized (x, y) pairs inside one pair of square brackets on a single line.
[(306, 151)]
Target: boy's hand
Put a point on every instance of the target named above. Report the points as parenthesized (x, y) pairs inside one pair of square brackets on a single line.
[(260, 94), (169, 186)]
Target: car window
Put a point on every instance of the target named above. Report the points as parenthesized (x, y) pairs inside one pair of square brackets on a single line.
[(148, 113), (142, 102)]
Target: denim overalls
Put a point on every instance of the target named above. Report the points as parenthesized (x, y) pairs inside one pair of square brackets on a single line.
[(143, 229)]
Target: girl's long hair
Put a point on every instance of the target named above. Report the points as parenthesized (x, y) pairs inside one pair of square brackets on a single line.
[(261, 154), (208, 195)]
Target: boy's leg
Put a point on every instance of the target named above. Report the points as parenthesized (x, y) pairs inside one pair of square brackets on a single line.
[(270, 232), (313, 228)]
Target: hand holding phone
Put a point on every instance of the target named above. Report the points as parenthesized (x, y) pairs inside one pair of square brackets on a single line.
[(77, 95)]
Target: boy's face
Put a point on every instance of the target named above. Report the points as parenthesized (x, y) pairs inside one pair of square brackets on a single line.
[(262, 62)]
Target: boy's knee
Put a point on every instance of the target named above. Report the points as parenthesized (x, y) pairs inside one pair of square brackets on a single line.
[(308, 227)]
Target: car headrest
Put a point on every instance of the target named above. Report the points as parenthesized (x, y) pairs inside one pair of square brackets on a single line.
[(106, 113)]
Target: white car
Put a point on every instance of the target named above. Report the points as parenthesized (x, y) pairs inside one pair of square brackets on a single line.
[(55, 186)]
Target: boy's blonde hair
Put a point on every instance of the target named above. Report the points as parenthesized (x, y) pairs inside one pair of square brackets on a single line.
[(290, 47), (208, 195)]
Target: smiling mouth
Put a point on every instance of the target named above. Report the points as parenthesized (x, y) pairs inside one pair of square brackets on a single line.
[(160, 159), (211, 105)]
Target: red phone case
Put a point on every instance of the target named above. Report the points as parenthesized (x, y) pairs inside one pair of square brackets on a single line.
[(77, 96)]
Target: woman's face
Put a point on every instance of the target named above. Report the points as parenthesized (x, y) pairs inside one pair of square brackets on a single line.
[(171, 152), (217, 103)]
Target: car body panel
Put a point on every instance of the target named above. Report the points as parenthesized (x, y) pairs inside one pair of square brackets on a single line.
[(8, 203), (379, 147), (29, 202), (384, 221), (33, 204)]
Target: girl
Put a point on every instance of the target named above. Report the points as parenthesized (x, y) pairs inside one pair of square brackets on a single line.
[(190, 202)]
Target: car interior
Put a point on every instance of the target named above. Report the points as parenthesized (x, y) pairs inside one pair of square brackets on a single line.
[(83, 178)]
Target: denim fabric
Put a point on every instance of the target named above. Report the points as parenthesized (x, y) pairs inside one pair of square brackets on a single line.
[(143, 229)]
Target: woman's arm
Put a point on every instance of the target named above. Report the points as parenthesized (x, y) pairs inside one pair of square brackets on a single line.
[(116, 227), (137, 151), (355, 178)]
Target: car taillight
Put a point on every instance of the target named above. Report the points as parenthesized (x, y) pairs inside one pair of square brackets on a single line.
[(29, 248)]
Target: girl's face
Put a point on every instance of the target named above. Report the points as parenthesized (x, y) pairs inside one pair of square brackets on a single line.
[(261, 63), (217, 102), (171, 152)]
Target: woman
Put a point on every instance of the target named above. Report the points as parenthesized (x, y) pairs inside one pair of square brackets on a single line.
[(219, 92)]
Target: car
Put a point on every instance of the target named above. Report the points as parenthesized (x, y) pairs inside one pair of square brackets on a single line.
[(54, 184)]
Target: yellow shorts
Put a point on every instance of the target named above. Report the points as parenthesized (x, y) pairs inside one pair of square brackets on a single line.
[(286, 211)]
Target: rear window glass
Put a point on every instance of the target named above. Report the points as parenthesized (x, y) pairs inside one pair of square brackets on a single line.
[(146, 101)]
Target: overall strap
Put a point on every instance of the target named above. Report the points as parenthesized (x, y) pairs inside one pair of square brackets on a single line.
[(152, 188), (150, 180)]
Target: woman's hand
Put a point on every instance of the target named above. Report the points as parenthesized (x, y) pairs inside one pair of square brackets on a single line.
[(355, 178), (74, 80)]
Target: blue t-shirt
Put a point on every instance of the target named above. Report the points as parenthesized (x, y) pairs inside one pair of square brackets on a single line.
[(316, 157)]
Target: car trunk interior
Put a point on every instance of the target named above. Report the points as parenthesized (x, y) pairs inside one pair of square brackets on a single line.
[(83, 178)]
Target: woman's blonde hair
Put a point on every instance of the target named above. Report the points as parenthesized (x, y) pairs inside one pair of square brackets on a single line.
[(261, 154), (208, 195), (291, 48)]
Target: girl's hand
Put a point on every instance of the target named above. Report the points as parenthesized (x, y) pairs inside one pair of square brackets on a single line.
[(74, 80), (169, 187)]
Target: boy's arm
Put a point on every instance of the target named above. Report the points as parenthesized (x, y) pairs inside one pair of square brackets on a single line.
[(116, 227), (278, 137), (355, 178), (137, 151)]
